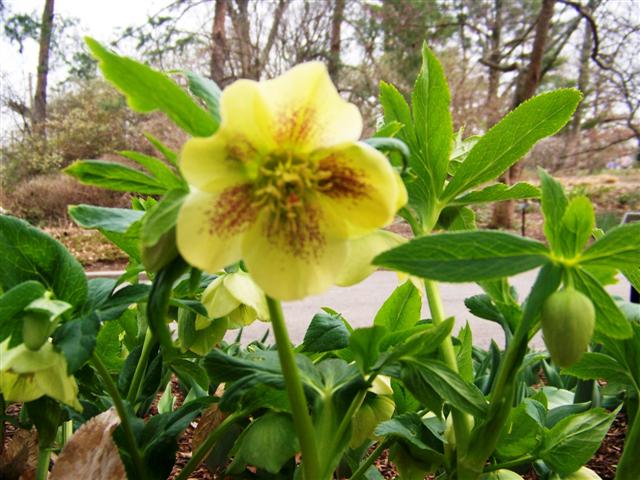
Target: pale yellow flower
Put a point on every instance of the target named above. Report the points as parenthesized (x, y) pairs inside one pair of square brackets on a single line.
[(27, 375), (284, 184)]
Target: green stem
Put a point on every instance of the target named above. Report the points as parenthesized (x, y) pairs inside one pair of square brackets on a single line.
[(364, 466), (462, 423), (511, 463), (629, 466), (134, 387), (208, 444), (44, 457), (299, 409), (67, 431), (129, 437)]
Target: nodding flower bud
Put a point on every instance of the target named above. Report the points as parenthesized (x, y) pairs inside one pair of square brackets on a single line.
[(568, 322)]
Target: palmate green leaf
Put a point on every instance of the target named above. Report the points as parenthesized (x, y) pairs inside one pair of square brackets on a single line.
[(497, 193), (148, 90), (574, 440), (554, 203), (432, 123), (29, 254), (207, 90), (576, 226), (609, 319), (597, 366), (512, 137), (465, 256), (157, 168), (115, 176), (113, 223), (76, 340), (619, 248), (402, 309)]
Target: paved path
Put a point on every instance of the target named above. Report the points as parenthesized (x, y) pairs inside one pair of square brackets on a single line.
[(360, 303)]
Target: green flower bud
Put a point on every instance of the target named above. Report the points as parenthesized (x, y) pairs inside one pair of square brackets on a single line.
[(583, 473), (568, 321), (501, 474), (36, 328)]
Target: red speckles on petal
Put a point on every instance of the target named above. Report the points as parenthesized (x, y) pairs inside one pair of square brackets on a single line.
[(299, 235), (341, 180), (296, 127), (233, 211)]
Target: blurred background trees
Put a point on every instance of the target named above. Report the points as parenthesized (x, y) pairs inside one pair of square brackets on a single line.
[(496, 53)]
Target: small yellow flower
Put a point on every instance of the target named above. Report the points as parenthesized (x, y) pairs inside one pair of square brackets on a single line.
[(27, 375), (236, 297), (284, 184)]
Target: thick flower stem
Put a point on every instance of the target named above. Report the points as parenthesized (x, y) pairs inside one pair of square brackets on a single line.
[(44, 457), (134, 387), (462, 423), (300, 410), (130, 438)]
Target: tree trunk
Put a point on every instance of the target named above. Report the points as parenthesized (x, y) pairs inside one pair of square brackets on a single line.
[(39, 114), (493, 113), (526, 85), (334, 48), (218, 43)]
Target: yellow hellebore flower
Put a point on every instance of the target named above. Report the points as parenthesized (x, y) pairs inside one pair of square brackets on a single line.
[(284, 184), (27, 375), (235, 296)]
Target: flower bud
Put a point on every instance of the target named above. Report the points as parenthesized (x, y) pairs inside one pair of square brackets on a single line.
[(568, 321)]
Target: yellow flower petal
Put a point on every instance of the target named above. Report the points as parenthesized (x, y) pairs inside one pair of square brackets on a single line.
[(207, 164), (244, 289), (218, 300), (307, 111), (247, 121), (210, 227), (362, 193), (362, 251), (287, 269)]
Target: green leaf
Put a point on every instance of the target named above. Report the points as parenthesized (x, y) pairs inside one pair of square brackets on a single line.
[(13, 302), (633, 275), (169, 155), (512, 137), (325, 333), (29, 254), (389, 129), (109, 347), (402, 309), (465, 256), (609, 319), (190, 373), (115, 176), (523, 431), (148, 90), (554, 204), (157, 168), (433, 126), (267, 443), (497, 193), (396, 109), (157, 235), (454, 219), (619, 248), (416, 342), (452, 388), (573, 440), (364, 344), (597, 366), (113, 223), (407, 426), (464, 353), (207, 90), (76, 340), (576, 226)]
